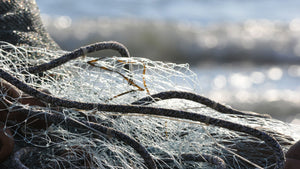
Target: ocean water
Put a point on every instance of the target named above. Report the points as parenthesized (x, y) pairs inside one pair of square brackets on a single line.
[(232, 30), (201, 11), (245, 53)]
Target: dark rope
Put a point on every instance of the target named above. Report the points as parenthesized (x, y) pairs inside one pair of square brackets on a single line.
[(196, 98), (20, 24), (17, 163), (80, 52), (269, 140), (110, 132)]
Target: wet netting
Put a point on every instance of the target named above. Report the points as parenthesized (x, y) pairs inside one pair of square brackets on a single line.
[(64, 109)]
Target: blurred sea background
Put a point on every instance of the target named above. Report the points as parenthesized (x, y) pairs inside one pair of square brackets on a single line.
[(245, 53)]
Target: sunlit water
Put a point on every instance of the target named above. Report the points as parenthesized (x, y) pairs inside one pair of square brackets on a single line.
[(244, 54), (266, 89), (197, 11)]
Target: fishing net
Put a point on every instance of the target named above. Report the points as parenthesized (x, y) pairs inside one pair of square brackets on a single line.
[(70, 136), (61, 109), (20, 24)]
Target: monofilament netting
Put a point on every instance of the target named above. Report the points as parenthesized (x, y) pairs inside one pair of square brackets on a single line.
[(153, 132)]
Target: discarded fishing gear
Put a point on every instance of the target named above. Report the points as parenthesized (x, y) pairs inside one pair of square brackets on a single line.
[(72, 138), (137, 107)]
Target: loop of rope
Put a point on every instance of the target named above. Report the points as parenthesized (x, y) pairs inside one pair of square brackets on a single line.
[(269, 140), (135, 109), (80, 52)]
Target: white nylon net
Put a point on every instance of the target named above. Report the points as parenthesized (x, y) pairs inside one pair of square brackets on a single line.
[(107, 81)]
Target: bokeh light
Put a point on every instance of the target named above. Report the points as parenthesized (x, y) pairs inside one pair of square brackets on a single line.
[(220, 81), (257, 77), (63, 22), (294, 70), (240, 81), (246, 53), (275, 73)]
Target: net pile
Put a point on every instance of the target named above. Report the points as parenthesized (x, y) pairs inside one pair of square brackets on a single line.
[(171, 142)]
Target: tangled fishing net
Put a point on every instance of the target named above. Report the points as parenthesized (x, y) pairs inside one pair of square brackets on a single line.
[(160, 122), (61, 109)]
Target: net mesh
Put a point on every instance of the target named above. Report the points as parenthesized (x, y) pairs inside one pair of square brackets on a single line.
[(172, 142)]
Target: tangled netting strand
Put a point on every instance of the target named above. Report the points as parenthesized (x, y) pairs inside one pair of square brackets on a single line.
[(119, 112)]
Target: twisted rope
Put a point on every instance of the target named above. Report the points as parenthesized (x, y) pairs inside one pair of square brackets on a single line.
[(269, 140), (97, 128), (196, 98), (80, 52)]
